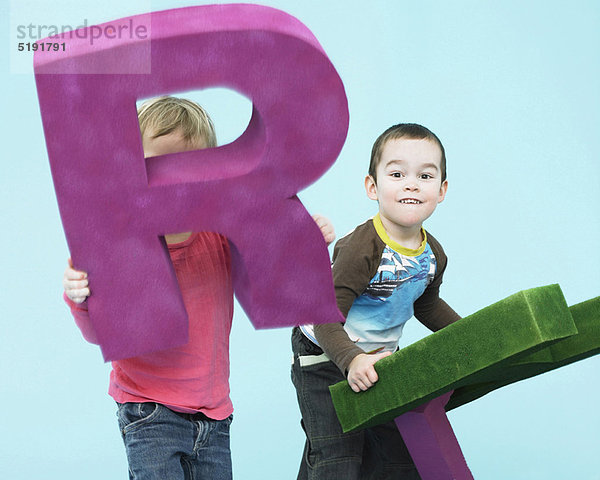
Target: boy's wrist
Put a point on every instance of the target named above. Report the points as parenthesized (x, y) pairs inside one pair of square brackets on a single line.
[(75, 305)]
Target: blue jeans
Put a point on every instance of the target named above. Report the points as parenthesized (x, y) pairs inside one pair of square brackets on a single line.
[(166, 445), (329, 454)]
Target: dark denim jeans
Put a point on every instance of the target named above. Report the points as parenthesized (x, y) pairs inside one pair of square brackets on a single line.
[(329, 454), (162, 444)]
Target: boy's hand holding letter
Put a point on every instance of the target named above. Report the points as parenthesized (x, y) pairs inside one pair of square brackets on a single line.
[(361, 371)]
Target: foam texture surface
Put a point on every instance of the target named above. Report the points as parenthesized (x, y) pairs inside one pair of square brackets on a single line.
[(431, 442), (525, 334), (585, 343), (115, 206)]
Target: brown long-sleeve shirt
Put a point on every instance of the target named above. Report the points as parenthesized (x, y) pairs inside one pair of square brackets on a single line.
[(356, 260)]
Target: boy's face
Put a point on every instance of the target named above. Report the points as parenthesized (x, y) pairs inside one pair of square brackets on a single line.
[(164, 145), (171, 143), (409, 185)]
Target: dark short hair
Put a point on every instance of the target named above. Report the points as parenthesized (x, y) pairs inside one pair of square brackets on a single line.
[(411, 131)]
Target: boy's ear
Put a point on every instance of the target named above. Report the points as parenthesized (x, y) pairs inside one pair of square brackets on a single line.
[(443, 190), (371, 187)]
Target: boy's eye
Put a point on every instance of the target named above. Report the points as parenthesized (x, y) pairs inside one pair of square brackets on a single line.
[(426, 176), (396, 174)]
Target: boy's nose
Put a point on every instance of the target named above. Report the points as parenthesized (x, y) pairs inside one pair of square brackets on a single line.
[(411, 186)]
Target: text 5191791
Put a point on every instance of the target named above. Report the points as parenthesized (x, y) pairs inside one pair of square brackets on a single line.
[(43, 46)]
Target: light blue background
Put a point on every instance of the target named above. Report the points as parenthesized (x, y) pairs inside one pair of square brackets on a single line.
[(512, 89)]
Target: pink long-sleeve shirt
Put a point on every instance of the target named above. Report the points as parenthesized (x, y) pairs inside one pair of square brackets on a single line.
[(194, 377)]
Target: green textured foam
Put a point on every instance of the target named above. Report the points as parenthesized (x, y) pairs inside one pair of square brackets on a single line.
[(465, 353), (585, 343)]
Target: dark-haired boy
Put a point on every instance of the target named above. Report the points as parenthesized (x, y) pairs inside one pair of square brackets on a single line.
[(384, 271)]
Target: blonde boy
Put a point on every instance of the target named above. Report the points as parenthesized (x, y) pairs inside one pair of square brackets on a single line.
[(386, 270), (174, 408)]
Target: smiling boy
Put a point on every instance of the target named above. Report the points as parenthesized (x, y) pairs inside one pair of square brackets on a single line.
[(385, 271)]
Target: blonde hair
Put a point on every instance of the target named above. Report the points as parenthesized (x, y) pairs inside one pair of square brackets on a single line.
[(163, 115)]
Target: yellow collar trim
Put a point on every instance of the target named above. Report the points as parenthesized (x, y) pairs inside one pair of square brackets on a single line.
[(395, 245)]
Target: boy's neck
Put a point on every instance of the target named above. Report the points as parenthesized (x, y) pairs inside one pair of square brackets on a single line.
[(408, 237), (172, 238)]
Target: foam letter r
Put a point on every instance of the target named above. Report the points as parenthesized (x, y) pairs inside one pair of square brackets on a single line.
[(115, 206)]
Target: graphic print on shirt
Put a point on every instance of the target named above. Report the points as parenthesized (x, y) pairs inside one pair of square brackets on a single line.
[(395, 269), (378, 315)]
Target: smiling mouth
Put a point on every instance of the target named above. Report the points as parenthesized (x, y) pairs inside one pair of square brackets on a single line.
[(412, 201)]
